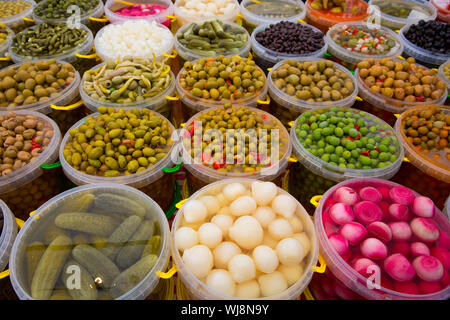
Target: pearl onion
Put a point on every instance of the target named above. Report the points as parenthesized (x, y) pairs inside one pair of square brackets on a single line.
[(199, 260), (265, 258), (185, 238), (221, 281), (223, 254), (233, 191), (210, 235), (264, 192), (242, 268), (243, 206), (291, 272), (211, 204), (284, 205), (290, 251), (248, 290), (225, 211), (280, 229), (246, 232), (222, 201), (272, 283), (194, 211), (304, 241), (269, 241), (224, 222), (264, 215), (297, 225)]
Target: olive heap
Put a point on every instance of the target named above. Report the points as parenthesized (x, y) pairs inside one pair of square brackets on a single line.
[(58, 9), (430, 35)]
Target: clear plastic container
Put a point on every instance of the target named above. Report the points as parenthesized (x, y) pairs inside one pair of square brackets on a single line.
[(422, 55), (433, 164), (188, 55), (443, 10), (354, 57), (197, 289), (442, 74), (288, 108), (153, 181), (251, 20), (25, 189), (158, 103), (184, 18), (419, 10), (16, 22), (112, 5), (446, 210), (192, 105), (323, 19), (335, 173), (8, 234), (106, 55), (266, 58), (341, 281), (34, 228), (199, 175), (4, 48)]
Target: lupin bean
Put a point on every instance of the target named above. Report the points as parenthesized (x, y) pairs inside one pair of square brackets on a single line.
[(59, 9)]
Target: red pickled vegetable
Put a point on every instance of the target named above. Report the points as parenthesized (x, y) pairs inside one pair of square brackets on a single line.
[(423, 207), (419, 249), (380, 230), (341, 213), (346, 195), (354, 232), (399, 268), (373, 248), (401, 195), (400, 230), (428, 268), (370, 194), (425, 229), (367, 212)]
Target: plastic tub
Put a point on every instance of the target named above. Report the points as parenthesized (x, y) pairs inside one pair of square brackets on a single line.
[(16, 22), (197, 289), (442, 74), (25, 189), (153, 181), (266, 58), (107, 55), (192, 105), (447, 208), (8, 234), (352, 58), (288, 108), (39, 230), (251, 20), (187, 54), (420, 10), (199, 175), (111, 6), (336, 173), (4, 47), (323, 19), (343, 282), (443, 10), (184, 18), (429, 58), (158, 103)]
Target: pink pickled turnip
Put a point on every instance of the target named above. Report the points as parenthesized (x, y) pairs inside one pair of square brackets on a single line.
[(408, 287), (341, 213), (428, 268), (401, 195), (354, 232), (361, 266), (444, 240), (426, 287), (330, 202), (419, 249), (443, 255), (370, 194), (399, 268), (399, 212), (373, 248), (367, 212), (400, 231), (423, 207), (384, 191), (425, 229), (339, 243), (346, 195), (401, 247), (380, 230), (384, 206), (328, 224)]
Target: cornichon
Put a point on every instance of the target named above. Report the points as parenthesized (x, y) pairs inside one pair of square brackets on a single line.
[(78, 281), (101, 268), (80, 204), (52, 233), (120, 236), (113, 203), (60, 294), (129, 278), (33, 255), (49, 268), (86, 222), (152, 246), (132, 250)]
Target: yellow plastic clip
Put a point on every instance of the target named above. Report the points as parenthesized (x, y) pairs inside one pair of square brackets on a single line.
[(256, 1), (396, 115), (86, 56), (172, 18), (315, 200), (69, 107), (267, 101), (292, 159), (99, 19), (301, 21), (435, 69), (322, 267), (126, 3), (4, 274), (250, 56), (405, 159), (20, 222), (358, 98), (176, 98), (5, 59), (397, 31), (290, 123), (239, 19), (169, 274), (173, 55), (182, 124), (179, 204), (268, 69), (27, 19), (308, 294), (400, 57)]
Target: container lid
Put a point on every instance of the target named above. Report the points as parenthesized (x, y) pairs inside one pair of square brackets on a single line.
[(20, 15), (5, 44), (360, 8), (229, 15), (445, 65), (68, 55), (136, 180), (299, 105), (443, 9), (427, 56), (206, 173), (112, 6), (96, 12), (335, 172), (274, 56), (189, 54), (272, 11), (8, 233), (58, 99), (32, 170), (112, 203), (435, 164), (350, 56), (203, 292), (343, 271)]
